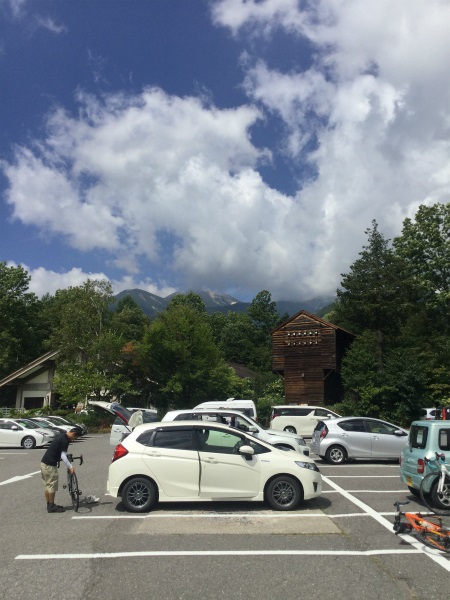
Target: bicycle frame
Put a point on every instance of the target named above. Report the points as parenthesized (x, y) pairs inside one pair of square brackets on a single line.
[(441, 469), (72, 483), (428, 528)]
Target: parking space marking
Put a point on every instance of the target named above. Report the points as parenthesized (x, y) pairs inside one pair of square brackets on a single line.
[(362, 476), (365, 491), (254, 515), (435, 555), (18, 478), (218, 553)]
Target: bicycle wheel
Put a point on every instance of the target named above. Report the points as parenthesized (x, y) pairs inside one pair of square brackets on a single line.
[(73, 491), (435, 539)]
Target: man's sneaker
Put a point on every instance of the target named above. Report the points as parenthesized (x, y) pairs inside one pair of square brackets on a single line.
[(52, 508)]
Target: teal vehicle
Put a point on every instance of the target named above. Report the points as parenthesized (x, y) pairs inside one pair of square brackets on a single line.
[(418, 459)]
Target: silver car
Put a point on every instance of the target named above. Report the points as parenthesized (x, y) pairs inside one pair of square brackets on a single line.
[(342, 438), (279, 439)]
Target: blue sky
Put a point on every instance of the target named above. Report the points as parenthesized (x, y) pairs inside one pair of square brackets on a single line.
[(225, 145)]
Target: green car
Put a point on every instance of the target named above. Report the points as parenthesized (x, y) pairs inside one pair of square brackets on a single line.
[(425, 439)]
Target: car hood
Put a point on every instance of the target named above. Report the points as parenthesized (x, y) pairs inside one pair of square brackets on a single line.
[(283, 434), (113, 408)]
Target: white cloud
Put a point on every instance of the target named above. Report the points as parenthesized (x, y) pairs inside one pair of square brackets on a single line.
[(45, 281), (155, 179)]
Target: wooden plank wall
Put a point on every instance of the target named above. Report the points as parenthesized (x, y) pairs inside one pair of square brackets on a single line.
[(303, 349)]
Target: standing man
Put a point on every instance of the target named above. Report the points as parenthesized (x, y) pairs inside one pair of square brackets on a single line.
[(49, 470)]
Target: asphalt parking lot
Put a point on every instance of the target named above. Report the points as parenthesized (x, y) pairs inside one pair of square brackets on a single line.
[(338, 546)]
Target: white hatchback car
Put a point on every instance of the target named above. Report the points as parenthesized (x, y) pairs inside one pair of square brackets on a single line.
[(279, 439), (198, 461), (14, 433)]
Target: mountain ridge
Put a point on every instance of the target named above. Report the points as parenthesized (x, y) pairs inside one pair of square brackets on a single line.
[(152, 305)]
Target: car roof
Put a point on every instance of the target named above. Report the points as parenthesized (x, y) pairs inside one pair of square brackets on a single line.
[(188, 411)]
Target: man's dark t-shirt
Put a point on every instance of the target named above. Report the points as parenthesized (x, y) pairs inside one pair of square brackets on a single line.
[(53, 453)]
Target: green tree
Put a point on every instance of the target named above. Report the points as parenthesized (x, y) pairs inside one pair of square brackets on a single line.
[(378, 294), (91, 352), (425, 244), (191, 299), (21, 337), (181, 360)]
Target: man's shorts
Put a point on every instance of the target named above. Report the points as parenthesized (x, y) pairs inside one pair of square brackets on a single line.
[(50, 477)]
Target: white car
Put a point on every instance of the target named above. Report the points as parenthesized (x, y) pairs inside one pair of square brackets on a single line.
[(13, 433), (124, 422), (299, 418), (60, 423), (188, 461), (279, 439)]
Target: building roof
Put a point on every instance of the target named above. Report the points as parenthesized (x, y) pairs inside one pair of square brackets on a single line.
[(29, 369), (314, 318)]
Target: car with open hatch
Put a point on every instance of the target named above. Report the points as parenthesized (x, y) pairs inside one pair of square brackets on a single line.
[(20, 433), (339, 439), (238, 420), (125, 418), (418, 459), (189, 461), (299, 418)]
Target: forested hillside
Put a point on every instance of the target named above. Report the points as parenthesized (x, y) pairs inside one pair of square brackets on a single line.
[(395, 298)]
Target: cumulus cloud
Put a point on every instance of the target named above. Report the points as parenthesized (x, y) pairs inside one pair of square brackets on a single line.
[(157, 179), (45, 281)]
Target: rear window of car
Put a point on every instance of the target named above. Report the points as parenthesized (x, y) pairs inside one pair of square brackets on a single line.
[(178, 439), (444, 439), (418, 437), (352, 425), (291, 412)]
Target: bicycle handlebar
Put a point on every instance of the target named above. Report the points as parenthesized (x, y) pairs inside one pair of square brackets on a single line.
[(71, 458)]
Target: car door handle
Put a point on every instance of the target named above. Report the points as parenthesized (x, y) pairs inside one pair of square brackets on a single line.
[(154, 453), (210, 460), (375, 437)]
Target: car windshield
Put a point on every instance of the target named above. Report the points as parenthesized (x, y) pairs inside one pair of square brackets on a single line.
[(41, 424), (58, 421), (27, 424)]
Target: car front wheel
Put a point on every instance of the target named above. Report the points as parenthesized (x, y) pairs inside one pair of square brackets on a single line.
[(336, 455), (28, 442), (284, 493), (139, 495), (290, 429)]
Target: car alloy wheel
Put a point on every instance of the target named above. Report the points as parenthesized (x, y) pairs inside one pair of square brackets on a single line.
[(284, 493), (336, 455), (139, 495), (28, 442)]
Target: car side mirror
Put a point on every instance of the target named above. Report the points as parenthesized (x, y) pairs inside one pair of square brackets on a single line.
[(252, 429), (15, 428), (400, 433), (247, 451)]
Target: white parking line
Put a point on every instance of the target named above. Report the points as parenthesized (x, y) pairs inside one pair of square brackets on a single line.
[(18, 478), (218, 553), (364, 491), (436, 556), (235, 515)]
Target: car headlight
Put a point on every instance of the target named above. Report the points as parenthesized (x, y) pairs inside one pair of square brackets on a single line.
[(307, 465)]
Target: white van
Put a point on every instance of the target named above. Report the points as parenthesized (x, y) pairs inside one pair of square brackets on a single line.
[(299, 418), (244, 406)]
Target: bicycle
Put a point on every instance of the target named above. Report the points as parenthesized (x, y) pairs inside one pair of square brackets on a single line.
[(428, 528), (72, 482), (435, 487)]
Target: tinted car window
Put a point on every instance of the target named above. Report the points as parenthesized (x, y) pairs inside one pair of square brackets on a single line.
[(177, 439), (444, 439), (291, 412), (418, 436), (352, 425), (321, 412), (379, 427)]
